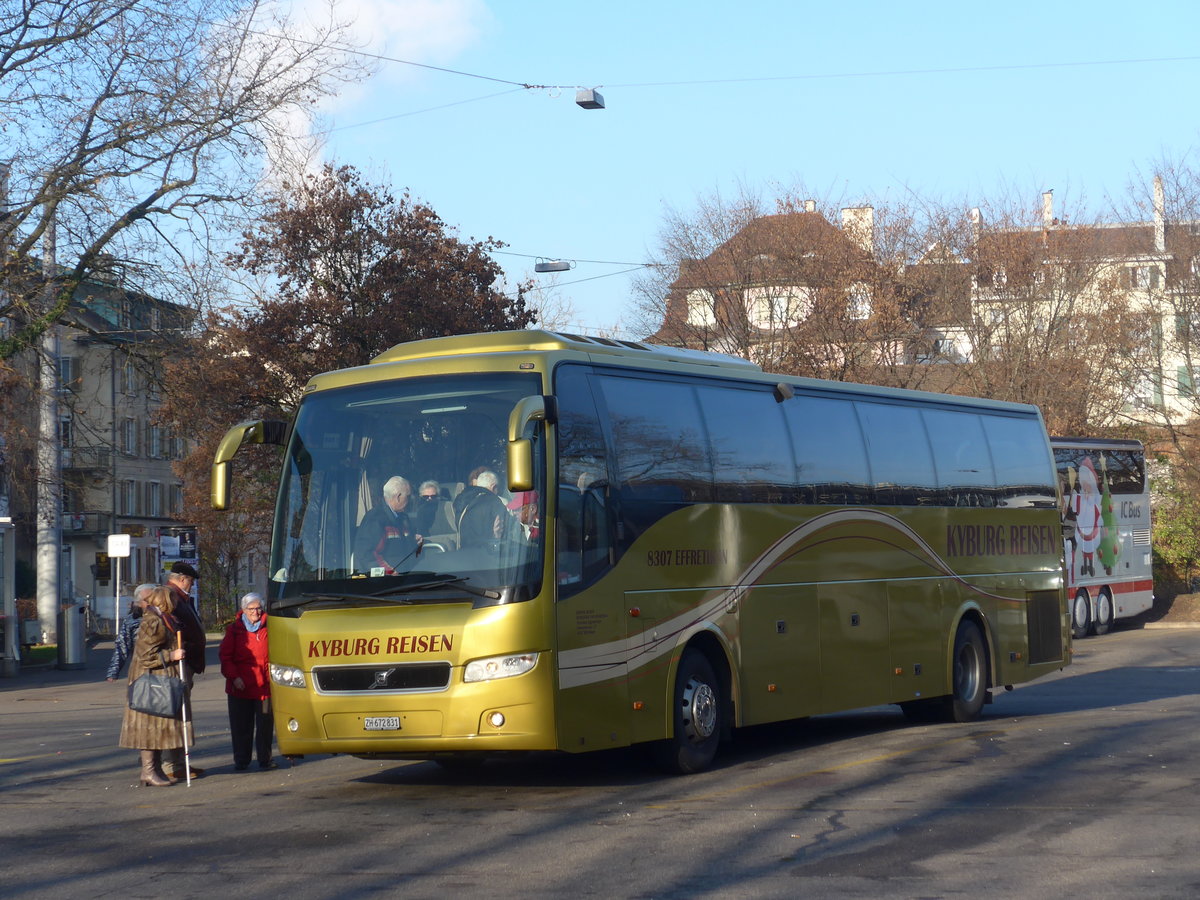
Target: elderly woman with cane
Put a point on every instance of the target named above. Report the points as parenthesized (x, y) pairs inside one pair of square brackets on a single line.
[(154, 651), (248, 685)]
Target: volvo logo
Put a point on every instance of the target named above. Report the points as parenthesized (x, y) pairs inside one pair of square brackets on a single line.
[(381, 678)]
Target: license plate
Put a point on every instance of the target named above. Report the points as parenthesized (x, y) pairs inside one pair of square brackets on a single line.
[(381, 723)]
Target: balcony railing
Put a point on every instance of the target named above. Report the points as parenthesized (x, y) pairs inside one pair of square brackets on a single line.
[(81, 524), (87, 458)]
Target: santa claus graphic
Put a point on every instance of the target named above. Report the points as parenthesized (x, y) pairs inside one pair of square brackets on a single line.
[(1085, 509)]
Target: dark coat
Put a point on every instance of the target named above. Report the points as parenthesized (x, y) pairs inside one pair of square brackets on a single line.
[(155, 640), (244, 655), (477, 511), (433, 517), (384, 539), (123, 645), (195, 641)]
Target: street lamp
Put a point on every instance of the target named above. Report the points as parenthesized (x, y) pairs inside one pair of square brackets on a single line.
[(589, 98), (553, 265)]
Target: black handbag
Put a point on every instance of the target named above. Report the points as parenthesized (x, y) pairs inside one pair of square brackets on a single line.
[(156, 695)]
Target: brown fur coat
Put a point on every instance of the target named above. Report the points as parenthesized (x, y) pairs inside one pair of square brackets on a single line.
[(139, 731)]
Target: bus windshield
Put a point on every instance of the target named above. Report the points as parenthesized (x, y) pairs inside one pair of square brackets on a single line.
[(397, 490)]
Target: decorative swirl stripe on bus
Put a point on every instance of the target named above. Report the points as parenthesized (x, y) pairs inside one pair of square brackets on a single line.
[(589, 665)]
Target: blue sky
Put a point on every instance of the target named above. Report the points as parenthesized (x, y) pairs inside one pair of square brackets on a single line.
[(853, 100)]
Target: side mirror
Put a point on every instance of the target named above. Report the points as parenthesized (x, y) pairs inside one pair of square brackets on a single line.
[(263, 431), (520, 448)]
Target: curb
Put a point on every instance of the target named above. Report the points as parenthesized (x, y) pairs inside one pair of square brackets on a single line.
[(1172, 625)]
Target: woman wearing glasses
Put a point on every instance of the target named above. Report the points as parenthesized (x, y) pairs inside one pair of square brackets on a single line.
[(247, 683)]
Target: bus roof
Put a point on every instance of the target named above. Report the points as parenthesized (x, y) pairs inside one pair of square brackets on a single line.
[(548, 341), (1096, 443), (634, 355)]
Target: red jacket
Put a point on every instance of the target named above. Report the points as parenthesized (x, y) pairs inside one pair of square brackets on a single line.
[(243, 655)]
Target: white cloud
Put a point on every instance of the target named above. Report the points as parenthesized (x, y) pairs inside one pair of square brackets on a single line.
[(433, 32)]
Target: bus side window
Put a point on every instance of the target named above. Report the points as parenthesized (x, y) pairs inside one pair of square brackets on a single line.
[(831, 458), (1018, 446), (751, 449), (961, 457), (583, 520), (902, 469)]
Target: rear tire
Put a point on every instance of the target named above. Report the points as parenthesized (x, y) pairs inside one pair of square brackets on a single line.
[(970, 674), (1104, 612), (1081, 615), (699, 713)]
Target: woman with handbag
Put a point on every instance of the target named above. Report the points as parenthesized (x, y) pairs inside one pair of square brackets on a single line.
[(155, 653)]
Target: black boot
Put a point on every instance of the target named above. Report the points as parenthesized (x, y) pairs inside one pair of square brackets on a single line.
[(152, 775)]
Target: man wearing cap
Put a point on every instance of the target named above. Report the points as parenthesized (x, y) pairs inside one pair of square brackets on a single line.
[(524, 505), (179, 581)]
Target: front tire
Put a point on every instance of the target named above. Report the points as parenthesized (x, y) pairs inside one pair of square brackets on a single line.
[(970, 674), (1081, 615), (699, 712)]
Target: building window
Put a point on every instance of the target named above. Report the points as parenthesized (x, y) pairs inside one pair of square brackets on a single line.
[(1187, 327), (700, 309), (154, 499), (127, 498), (68, 373), (775, 307), (176, 508), (154, 442), (129, 436), (129, 379), (860, 302), (1141, 277), (1185, 385)]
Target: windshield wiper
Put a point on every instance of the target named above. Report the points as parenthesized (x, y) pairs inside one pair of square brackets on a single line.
[(395, 594), (439, 581)]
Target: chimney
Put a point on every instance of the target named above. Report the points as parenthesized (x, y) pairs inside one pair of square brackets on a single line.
[(858, 222), (810, 205), (1047, 208), (976, 218), (1160, 216)]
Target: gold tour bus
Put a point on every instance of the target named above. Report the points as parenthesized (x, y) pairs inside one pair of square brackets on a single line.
[(674, 544)]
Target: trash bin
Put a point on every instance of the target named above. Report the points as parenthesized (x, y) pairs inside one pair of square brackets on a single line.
[(71, 630)]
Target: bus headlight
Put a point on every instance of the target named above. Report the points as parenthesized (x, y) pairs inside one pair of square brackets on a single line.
[(499, 667), (288, 676)]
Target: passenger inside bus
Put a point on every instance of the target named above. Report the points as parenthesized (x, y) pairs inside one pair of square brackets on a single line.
[(386, 538), (524, 507), (480, 514), (433, 518)]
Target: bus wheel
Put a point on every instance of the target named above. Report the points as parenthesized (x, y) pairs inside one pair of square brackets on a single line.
[(970, 674), (1081, 615), (697, 717), (1104, 611)]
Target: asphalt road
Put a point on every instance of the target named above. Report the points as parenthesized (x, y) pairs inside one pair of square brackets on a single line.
[(1085, 784)]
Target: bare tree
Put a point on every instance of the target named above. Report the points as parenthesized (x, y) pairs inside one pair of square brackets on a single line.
[(1052, 323), (126, 122), (1163, 281), (799, 286)]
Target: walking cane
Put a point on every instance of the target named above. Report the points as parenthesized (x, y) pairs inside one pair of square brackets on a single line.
[(187, 759)]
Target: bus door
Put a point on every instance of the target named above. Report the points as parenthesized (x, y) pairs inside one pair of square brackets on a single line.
[(592, 621)]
